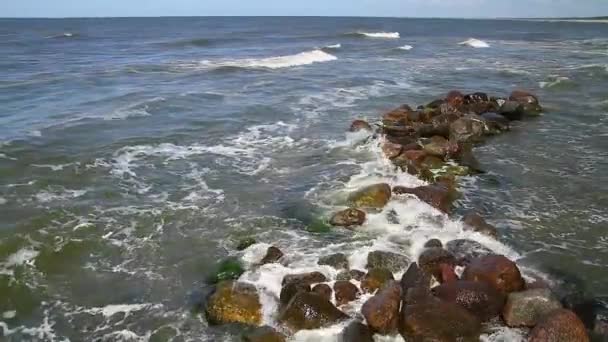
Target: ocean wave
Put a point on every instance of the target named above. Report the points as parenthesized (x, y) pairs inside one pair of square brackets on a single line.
[(405, 47), (558, 82), (384, 35), (63, 35), (303, 58), (475, 43), (333, 47)]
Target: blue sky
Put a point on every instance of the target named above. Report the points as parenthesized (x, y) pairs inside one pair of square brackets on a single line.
[(399, 8)]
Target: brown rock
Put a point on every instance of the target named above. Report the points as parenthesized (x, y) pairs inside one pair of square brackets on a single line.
[(466, 250), (477, 223), (345, 292), (356, 332), (337, 261), (375, 279), (348, 218), (526, 308), (391, 261), (273, 255), (381, 312), (497, 271), (480, 299), (467, 129), (289, 290), (234, 302), (433, 243), (559, 326), (305, 278), (264, 334), (415, 285), (432, 259), (373, 196), (530, 103), (359, 125), (323, 290), (397, 117), (351, 274), (437, 146), (391, 150), (435, 195), (308, 310), (455, 98)]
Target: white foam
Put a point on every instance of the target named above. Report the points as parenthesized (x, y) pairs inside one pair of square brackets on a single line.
[(554, 83), (303, 58), (385, 35), (475, 43), (334, 46), (3, 200), (48, 196), (53, 167), (405, 47)]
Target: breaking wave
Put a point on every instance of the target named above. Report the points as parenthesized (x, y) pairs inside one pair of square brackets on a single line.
[(303, 58), (475, 43), (385, 35)]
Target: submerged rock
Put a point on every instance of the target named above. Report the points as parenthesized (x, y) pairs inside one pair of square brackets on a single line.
[(245, 243), (234, 302), (474, 221), (435, 195), (373, 196), (348, 218), (465, 250), (528, 307), (512, 110), (375, 279), (264, 334), (391, 261), (360, 125), (345, 292), (530, 103), (495, 123), (273, 255), (356, 332), (308, 310), (227, 269), (497, 271), (337, 261), (559, 326), (480, 299), (381, 311)]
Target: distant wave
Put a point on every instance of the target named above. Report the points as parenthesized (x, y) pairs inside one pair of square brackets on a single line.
[(475, 43), (405, 47), (558, 82), (333, 47), (197, 42), (303, 58), (64, 35), (384, 35)]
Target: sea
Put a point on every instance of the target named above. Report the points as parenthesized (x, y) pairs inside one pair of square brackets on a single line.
[(136, 152)]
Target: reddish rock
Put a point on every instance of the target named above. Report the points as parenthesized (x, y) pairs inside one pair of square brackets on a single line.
[(289, 290), (559, 326), (415, 285), (375, 279), (497, 271), (437, 146), (322, 290), (360, 125), (307, 310), (273, 255), (356, 332), (434, 262), (480, 299), (381, 312), (435, 195), (391, 150), (345, 292), (348, 218), (523, 96), (467, 250), (305, 278), (475, 98), (396, 117), (455, 98)]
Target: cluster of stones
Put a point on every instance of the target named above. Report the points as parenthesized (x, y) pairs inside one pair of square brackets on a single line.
[(431, 301)]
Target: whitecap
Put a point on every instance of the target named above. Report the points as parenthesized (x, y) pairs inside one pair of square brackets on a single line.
[(385, 35), (53, 167), (3, 200), (303, 58), (560, 80), (334, 46), (475, 43), (50, 196), (405, 47)]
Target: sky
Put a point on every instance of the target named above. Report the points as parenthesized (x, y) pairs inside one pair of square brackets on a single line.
[(388, 8)]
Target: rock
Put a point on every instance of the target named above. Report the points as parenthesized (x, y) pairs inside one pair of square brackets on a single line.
[(360, 125), (559, 326), (356, 332), (305, 278), (391, 150), (273, 255), (440, 124), (289, 290), (528, 307), (373, 196), (308, 310), (530, 103), (475, 98), (465, 250), (495, 123), (264, 334), (497, 271), (323, 290), (480, 299), (381, 311), (476, 222), (337, 261), (438, 321), (435, 195), (375, 279), (391, 261), (468, 129), (437, 146), (345, 292), (432, 259), (234, 302), (348, 218), (512, 110), (227, 269), (245, 243), (433, 243), (415, 285), (455, 98), (351, 274)]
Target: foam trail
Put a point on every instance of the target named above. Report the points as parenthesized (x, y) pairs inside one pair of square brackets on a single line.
[(475, 43), (405, 47), (303, 58), (386, 35), (333, 47)]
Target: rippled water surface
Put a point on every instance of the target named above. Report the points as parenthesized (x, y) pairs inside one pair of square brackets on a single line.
[(134, 153)]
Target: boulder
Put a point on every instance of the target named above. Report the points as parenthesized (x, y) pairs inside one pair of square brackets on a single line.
[(337, 261), (415, 285), (497, 271), (455, 98), (373, 196), (433, 320), (530, 103), (264, 334), (391, 261), (273, 255), (360, 125), (433, 243), (435, 195), (512, 110), (348, 218), (559, 326), (391, 150), (432, 259), (351, 274), (475, 98), (495, 123), (308, 310), (480, 299), (526, 308), (375, 279), (437, 146), (468, 129), (289, 290), (474, 221), (465, 250), (356, 332), (323, 290), (345, 292), (305, 278), (381, 311), (234, 302)]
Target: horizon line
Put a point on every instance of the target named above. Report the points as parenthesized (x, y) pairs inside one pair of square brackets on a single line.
[(310, 16)]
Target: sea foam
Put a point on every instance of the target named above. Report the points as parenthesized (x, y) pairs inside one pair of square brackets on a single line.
[(475, 43), (386, 35), (405, 47), (303, 58)]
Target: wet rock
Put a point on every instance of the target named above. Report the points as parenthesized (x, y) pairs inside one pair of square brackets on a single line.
[(438, 321), (512, 110), (431, 163), (526, 308), (455, 98), (495, 123), (435, 195), (391, 261), (234, 302), (530, 103), (305, 278), (559, 326), (415, 285), (466, 250), (476, 222), (308, 310), (289, 290), (391, 150), (345, 292), (351, 274), (323, 290), (432, 259), (264, 334), (480, 299), (433, 243), (381, 311), (227, 269), (245, 243), (360, 125), (437, 146), (440, 124), (356, 332), (373, 196), (348, 218), (476, 98), (273, 255), (337, 261), (497, 271), (375, 279), (397, 117), (468, 129)]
